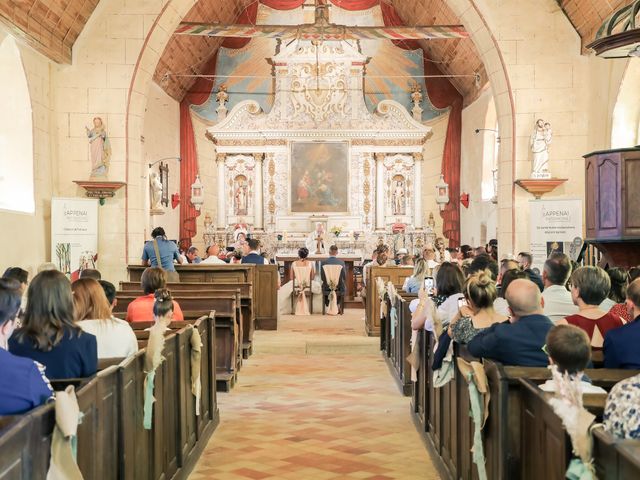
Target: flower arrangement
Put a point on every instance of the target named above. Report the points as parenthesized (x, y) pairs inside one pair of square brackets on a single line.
[(336, 230)]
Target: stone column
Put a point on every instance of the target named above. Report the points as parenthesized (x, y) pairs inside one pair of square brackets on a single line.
[(380, 190), (258, 221), (222, 211), (417, 191)]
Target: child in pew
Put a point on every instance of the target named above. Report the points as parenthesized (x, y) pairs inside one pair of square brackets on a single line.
[(92, 312), (569, 352), (23, 385), (141, 309)]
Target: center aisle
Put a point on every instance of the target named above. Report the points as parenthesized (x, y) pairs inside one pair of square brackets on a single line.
[(307, 416)]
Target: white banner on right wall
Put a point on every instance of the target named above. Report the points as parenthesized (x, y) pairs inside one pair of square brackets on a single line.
[(556, 226)]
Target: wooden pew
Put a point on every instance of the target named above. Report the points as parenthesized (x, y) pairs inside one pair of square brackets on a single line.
[(399, 343), (227, 324), (397, 275), (264, 279), (443, 414), (207, 289), (112, 405), (615, 458)]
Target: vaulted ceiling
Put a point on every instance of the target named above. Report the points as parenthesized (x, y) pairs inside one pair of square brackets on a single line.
[(52, 27), (587, 16)]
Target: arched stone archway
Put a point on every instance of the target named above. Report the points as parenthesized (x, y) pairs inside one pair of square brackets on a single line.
[(158, 37)]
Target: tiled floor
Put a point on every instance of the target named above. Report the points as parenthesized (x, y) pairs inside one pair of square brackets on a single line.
[(307, 416)]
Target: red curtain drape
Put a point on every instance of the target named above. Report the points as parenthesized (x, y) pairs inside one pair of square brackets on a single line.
[(442, 95), (282, 4), (198, 94)]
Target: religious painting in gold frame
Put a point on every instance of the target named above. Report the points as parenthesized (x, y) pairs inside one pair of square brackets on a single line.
[(319, 176)]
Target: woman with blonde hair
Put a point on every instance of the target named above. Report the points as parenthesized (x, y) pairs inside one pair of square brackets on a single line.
[(478, 314), (415, 282), (92, 313)]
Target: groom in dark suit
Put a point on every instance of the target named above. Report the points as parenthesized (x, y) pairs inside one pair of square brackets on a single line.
[(333, 260)]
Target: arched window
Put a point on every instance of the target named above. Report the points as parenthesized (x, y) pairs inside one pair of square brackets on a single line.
[(625, 131), (16, 132), (490, 153)]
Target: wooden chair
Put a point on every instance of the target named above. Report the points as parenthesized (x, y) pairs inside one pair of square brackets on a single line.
[(332, 275), (301, 290)]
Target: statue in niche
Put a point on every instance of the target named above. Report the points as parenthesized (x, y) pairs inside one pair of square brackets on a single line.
[(222, 97), (99, 148), (240, 196), (155, 189), (540, 140), (398, 196)]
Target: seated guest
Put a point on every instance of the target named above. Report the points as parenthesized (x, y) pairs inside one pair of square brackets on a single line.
[(91, 273), (500, 305), (415, 282), (429, 254), (366, 265), (93, 314), (622, 345), (569, 350), (621, 417), (23, 385), (252, 253), (557, 299), (589, 287), (49, 335), (634, 272), (141, 309), (481, 251), (481, 263), (467, 252), (167, 251), (406, 261), (20, 275), (334, 260), (478, 314), (212, 256), (47, 266), (192, 255), (506, 264), (518, 341), (303, 262), (615, 302), (525, 260), (448, 290), (163, 307), (110, 292)]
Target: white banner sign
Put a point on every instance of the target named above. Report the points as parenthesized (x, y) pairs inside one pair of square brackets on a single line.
[(74, 234), (556, 226)]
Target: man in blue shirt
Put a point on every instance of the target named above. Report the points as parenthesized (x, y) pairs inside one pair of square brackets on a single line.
[(518, 341), (621, 344), (167, 250), (23, 385)]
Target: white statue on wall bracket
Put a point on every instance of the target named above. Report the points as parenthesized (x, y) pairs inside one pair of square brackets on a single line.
[(540, 140), (155, 191)]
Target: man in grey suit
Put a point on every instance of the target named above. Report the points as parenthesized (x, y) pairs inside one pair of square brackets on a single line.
[(333, 260)]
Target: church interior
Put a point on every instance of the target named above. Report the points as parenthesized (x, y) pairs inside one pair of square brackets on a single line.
[(320, 239)]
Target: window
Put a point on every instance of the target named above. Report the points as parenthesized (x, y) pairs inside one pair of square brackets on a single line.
[(16, 132)]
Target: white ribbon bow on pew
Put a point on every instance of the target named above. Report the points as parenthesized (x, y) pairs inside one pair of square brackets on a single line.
[(63, 464), (196, 355), (152, 359)]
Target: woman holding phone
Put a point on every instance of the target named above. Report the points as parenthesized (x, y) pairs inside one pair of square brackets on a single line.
[(478, 314), (443, 304)]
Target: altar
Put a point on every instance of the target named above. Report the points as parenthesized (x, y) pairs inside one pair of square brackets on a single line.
[(319, 154)]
